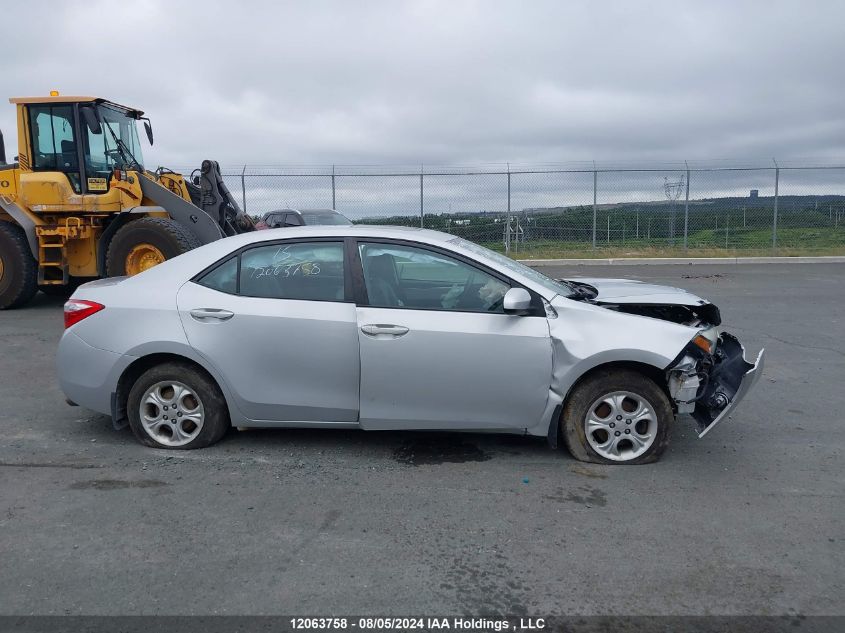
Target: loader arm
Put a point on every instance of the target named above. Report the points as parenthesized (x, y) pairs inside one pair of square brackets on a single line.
[(201, 224), (218, 202)]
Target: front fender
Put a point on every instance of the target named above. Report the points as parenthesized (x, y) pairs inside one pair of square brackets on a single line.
[(585, 336)]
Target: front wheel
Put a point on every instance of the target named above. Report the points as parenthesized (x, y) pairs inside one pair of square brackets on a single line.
[(177, 406), (617, 416)]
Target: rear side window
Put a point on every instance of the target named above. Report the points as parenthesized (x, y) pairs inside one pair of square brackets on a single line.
[(306, 270), (223, 278)]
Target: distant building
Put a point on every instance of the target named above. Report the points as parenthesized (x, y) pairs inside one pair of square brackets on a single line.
[(754, 193)]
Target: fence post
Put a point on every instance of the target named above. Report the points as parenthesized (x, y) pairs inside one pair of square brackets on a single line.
[(775, 213), (686, 211), (422, 208), (595, 188), (334, 198), (243, 188)]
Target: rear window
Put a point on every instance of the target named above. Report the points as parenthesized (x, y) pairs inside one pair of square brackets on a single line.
[(311, 271), (223, 278), (304, 270)]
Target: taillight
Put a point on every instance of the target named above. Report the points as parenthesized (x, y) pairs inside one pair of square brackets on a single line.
[(78, 309)]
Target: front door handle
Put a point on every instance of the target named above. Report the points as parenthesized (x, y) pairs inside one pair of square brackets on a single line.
[(377, 329), (211, 315)]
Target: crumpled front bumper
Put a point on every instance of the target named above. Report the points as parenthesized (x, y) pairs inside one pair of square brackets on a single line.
[(719, 386), (729, 382)]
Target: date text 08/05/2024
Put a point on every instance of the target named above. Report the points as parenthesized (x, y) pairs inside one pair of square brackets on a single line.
[(419, 623)]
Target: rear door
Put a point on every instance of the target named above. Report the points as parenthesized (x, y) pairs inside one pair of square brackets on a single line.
[(279, 324), (437, 350)]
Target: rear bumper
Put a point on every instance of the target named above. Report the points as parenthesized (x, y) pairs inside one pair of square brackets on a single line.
[(88, 375), (729, 381)]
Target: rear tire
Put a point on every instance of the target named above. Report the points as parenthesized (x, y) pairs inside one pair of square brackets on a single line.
[(617, 416), (177, 406), (18, 268), (166, 236)]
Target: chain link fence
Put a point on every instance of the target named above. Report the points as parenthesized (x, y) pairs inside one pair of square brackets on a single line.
[(579, 210)]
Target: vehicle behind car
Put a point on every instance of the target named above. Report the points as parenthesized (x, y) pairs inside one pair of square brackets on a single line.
[(284, 218)]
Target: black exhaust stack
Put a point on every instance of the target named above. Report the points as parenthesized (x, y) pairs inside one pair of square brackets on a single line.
[(2, 150)]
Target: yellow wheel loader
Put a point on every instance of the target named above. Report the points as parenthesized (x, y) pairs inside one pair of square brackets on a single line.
[(77, 202)]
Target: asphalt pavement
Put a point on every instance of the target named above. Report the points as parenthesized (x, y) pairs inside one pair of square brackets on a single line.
[(748, 520)]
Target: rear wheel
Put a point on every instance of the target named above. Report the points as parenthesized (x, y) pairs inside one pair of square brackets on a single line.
[(177, 406), (142, 244), (617, 416), (18, 268)]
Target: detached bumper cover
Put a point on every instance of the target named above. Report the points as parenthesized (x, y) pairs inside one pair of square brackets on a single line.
[(729, 380)]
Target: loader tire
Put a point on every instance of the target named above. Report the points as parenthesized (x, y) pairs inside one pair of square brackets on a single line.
[(144, 243), (18, 268)]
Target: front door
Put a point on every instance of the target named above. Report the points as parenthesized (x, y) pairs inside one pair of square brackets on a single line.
[(437, 350), (282, 332)]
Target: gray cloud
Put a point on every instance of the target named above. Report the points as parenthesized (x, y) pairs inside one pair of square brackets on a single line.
[(446, 82)]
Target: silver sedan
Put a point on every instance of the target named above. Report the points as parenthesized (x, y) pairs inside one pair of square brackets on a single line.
[(393, 328)]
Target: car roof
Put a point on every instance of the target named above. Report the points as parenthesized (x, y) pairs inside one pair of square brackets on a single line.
[(301, 211), (193, 262), (355, 230)]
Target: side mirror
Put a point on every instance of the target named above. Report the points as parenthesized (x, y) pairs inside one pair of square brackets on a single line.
[(149, 130), (516, 301), (91, 120)]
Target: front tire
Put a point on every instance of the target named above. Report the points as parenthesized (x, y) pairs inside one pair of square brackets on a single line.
[(147, 242), (18, 268), (177, 406), (617, 416)]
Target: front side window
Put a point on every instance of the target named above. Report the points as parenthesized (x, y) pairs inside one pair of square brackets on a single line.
[(310, 271), (114, 145), (399, 276), (555, 285), (54, 141)]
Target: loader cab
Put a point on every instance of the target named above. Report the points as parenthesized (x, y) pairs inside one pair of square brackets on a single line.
[(84, 138)]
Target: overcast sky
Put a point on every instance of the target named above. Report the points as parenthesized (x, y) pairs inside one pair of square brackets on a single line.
[(446, 82)]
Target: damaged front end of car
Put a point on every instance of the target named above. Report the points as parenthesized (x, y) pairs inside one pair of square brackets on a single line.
[(711, 374), (710, 377)]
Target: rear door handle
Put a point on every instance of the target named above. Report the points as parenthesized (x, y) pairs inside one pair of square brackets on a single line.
[(377, 329), (211, 315)]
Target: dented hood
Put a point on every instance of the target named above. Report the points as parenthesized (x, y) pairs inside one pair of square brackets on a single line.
[(622, 291)]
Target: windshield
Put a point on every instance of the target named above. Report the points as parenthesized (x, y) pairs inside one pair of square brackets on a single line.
[(504, 261), (325, 218), (116, 144)]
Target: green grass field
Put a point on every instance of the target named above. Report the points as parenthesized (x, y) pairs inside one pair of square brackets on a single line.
[(704, 243)]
